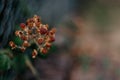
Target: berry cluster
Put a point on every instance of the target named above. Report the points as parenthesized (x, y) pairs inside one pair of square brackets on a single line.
[(33, 31)]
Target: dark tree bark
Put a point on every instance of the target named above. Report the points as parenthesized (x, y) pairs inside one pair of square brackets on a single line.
[(9, 12)]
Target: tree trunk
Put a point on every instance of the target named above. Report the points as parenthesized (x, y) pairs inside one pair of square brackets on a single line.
[(9, 11)]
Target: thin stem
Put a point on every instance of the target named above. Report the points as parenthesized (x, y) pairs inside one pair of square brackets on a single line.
[(31, 67)]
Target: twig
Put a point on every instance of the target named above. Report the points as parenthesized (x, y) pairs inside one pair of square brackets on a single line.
[(31, 67)]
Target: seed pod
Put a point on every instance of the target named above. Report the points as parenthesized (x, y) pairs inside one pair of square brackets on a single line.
[(47, 26), (30, 25), (30, 32), (17, 33), (22, 49), (20, 32), (36, 18), (12, 44), (40, 40), (24, 37), (34, 53), (53, 30), (43, 50), (47, 44), (38, 24), (25, 44), (43, 30), (51, 39), (27, 22)]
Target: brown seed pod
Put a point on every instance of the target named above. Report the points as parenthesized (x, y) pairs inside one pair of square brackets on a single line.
[(34, 53), (38, 24), (47, 26), (24, 37), (51, 39), (17, 33), (43, 50), (22, 49), (40, 40), (29, 32), (12, 44), (30, 25), (20, 32), (36, 18), (53, 30), (43, 30), (48, 45), (25, 44)]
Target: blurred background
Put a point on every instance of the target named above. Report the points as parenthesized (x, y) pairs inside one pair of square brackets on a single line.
[(87, 45)]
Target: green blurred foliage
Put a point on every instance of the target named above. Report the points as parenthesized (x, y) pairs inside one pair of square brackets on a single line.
[(19, 63), (5, 62)]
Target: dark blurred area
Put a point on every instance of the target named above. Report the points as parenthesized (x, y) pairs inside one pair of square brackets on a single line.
[(87, 39)]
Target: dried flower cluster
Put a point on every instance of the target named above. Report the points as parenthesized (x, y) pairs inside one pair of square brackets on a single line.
[(33, 31)]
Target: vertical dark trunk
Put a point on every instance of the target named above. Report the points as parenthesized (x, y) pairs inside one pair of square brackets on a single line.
[(9, 11)]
